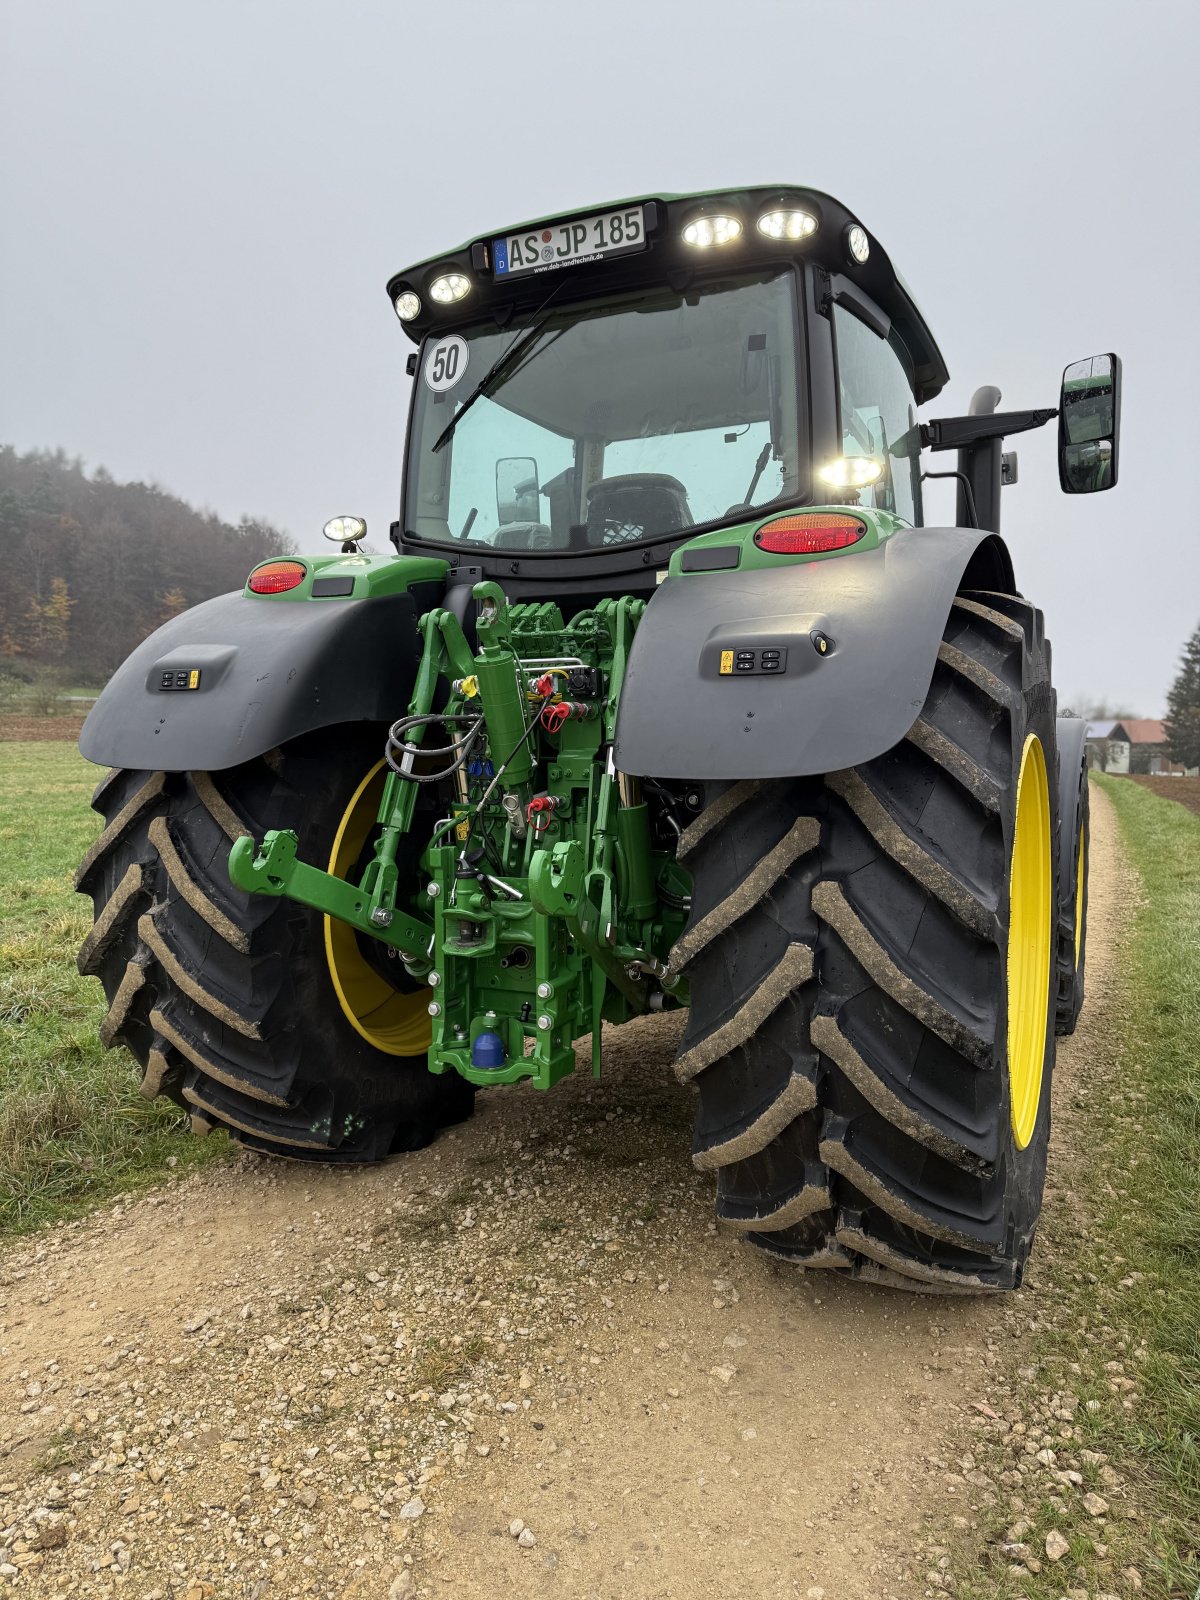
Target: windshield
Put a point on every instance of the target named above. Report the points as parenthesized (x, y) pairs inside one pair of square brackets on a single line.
[(625, 419)]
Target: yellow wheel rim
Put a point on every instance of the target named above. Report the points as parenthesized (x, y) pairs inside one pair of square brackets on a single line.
[(1030, 925), (398, 1024), (1080, 882)]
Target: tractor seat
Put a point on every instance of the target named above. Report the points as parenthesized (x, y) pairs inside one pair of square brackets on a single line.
[(636, 505)]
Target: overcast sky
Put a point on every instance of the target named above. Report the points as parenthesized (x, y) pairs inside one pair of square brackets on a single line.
[(201, 205)]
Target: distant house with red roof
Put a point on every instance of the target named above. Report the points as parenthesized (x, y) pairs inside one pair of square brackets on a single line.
[(1133, 745)]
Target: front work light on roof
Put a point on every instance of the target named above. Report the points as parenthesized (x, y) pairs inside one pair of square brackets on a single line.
[(408, 305), (451, 286), (857, 242), (851, 472), (704, 232), (787, 224)]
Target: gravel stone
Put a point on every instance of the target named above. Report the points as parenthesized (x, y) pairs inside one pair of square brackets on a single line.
[(1056, 1545)]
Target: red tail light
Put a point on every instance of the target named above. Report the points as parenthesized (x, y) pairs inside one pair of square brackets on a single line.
[(809, 533), (274, 577)]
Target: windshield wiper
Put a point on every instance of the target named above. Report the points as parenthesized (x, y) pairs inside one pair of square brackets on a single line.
[(491, 378), (760, 466)]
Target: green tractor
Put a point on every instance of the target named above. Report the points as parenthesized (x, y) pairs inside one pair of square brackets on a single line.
[(667, 697)]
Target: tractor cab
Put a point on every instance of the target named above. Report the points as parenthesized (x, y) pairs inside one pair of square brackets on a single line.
[(617, 382), (620, 381)]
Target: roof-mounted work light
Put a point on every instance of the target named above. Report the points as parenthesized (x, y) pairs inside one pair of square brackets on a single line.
[(787, 223), (857, 243), (451, 286), (712, 228)]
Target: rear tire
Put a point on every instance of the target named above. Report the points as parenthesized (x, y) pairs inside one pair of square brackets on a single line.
[(1072, 916), (847, 955), (227, 1000)]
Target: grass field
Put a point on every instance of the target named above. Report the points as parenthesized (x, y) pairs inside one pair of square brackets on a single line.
[(1148, 1168), (1121, 1332), (73, 1127)]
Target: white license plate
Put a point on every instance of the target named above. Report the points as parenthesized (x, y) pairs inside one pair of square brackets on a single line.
[(566, 244)]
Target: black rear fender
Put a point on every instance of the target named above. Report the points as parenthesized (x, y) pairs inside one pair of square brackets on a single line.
[(267, 671), (881, 614)]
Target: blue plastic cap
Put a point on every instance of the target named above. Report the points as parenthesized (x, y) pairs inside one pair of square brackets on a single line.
[(487, 1052)]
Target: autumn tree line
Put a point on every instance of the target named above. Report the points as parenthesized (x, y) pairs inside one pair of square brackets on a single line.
[(89, 567)]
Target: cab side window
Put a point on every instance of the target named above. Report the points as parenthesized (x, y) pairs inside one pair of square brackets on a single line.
[(879, 416)]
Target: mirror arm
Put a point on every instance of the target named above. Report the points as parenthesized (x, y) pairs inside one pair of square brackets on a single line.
[(978, 437), (958, 433)]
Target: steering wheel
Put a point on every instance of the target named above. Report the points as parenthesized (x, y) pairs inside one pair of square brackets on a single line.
[(524, 536)]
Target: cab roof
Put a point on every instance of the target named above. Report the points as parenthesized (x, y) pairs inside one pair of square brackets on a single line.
[(665, 256)]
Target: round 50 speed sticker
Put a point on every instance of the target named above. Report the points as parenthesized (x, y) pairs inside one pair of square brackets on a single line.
[(446, 363)]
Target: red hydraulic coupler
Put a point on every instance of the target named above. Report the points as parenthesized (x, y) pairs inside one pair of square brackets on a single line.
[(563, 711), (540, 810)]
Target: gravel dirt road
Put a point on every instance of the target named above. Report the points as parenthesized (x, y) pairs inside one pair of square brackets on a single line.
[(523, 1359)]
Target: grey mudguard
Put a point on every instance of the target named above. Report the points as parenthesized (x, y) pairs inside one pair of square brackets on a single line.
[(882, 613), (269, 671)]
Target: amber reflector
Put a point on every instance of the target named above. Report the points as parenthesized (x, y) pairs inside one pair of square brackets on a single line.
[(273, 577), (809, 533)]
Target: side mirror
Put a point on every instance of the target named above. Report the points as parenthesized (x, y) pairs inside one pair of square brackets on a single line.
[(517, 490), (1089, 425)]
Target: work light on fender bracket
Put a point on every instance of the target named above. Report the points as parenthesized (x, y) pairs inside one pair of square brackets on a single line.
[(809, 533)]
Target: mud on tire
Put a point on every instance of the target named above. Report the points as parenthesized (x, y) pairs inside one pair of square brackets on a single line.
[(226, 999), (846, 955)]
